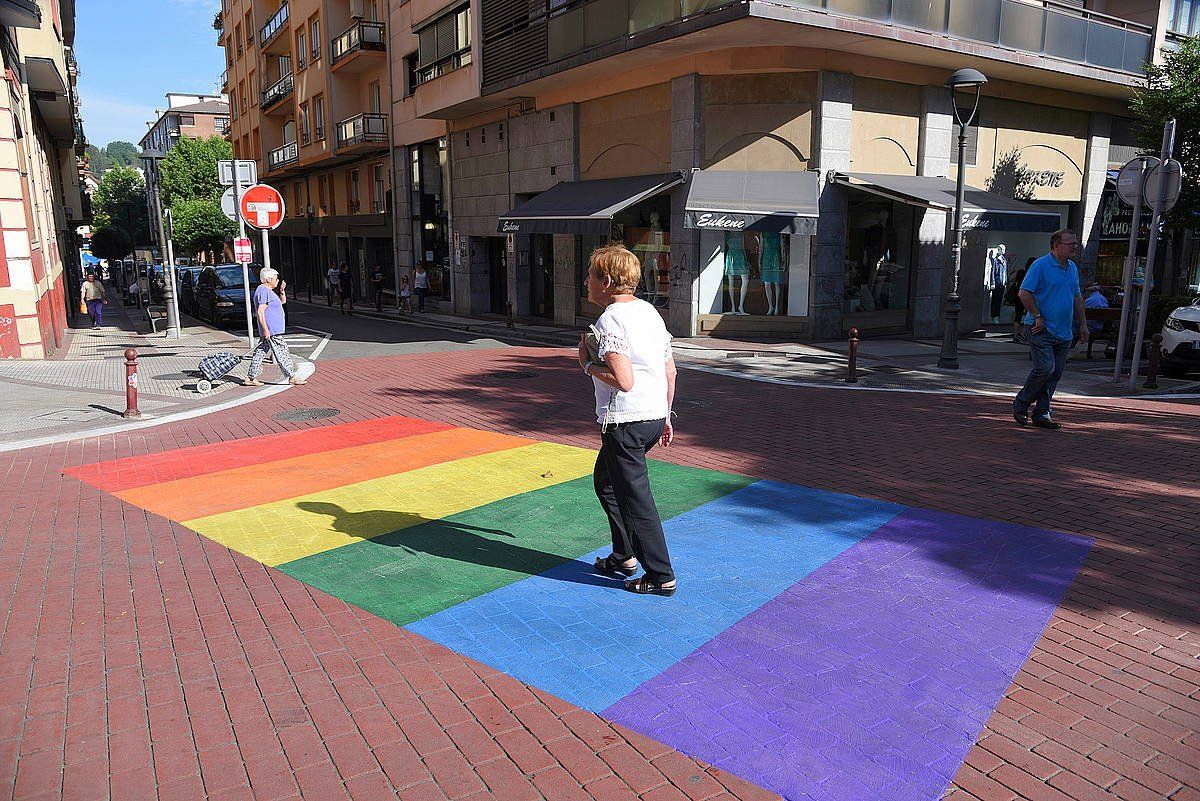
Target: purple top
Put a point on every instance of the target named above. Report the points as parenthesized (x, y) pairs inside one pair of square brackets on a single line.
[(264, 295)]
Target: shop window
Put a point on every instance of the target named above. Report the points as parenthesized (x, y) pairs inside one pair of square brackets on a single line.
[(755, 269), (879, 247)]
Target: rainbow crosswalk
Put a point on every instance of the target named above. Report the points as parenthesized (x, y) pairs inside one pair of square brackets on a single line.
[(821, 645)]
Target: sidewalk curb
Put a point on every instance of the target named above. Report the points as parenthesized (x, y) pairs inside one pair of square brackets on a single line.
[(143, 422)]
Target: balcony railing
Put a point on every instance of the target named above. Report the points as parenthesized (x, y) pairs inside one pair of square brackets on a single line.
[(224, 83), (282, 156), (278, 91), (274, 25), (362, 35), (1044, 27), (226, 128), (363, 129)]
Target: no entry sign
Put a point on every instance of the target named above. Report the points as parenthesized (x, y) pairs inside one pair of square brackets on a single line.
[(262, 206)]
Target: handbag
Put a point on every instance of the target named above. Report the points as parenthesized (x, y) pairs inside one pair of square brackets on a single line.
[(591, 341)]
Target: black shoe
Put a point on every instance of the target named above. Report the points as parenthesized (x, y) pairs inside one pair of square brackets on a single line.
[(1046, 422), (1019, 414)]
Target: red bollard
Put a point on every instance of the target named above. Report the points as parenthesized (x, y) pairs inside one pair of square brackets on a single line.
[(852, 368), (131, 382)]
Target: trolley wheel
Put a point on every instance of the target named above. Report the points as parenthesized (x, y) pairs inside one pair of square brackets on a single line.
[(204, 386)]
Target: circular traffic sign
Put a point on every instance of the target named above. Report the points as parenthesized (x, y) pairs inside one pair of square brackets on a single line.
[(1166, 178), (1129, 179), (262, 206), (229, 204)]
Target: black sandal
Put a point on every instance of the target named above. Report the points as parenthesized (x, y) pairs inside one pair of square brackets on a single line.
[(644, 586), (614, 566)]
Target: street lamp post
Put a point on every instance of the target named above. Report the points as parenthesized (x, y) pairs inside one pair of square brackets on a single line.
[(152, 157), (963, 79)]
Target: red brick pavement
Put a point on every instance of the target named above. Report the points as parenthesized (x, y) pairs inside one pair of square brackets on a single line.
[(154, 663)]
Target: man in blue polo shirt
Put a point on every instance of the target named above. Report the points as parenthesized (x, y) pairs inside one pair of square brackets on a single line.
[(1053, 303)]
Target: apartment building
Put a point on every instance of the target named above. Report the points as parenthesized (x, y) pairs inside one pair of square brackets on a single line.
[(308, 86), (41, 205), (779, 166), (189, 115)]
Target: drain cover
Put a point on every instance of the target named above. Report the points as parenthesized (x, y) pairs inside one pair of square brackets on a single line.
[(514, 374), (306, 414)]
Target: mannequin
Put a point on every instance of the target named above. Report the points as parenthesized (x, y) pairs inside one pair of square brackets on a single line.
[(736, 267), (996, 278), (771, 266), (652, 257)]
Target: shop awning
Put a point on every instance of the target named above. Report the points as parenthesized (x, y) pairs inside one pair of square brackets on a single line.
[(772, 202), (981, 210), (584, 207)]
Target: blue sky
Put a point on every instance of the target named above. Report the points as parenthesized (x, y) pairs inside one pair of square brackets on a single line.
[(132, 52)]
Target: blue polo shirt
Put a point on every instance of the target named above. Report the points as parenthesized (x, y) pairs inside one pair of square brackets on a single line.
[(1055, 288)]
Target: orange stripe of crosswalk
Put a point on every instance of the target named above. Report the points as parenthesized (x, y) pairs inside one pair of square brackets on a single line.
[(256, 484)]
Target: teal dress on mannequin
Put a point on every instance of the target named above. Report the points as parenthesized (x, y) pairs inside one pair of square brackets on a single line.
[(772, 268), (736, 262)]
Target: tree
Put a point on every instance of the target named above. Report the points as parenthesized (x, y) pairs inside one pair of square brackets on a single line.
[(110, 243), (1172, 91), (120, 201), (200, 226), (98, 160), (122, 154), (189, 170), (1011, 178)]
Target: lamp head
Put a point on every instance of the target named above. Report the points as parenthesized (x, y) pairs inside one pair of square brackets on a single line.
[(966, 78)]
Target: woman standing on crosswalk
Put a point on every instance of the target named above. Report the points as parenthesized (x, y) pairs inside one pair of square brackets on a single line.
[(269, 311)]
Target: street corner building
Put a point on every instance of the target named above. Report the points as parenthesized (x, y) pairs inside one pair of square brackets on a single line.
[(778, 167), (41, 173)]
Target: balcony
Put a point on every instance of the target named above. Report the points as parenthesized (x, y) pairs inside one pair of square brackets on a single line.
[(1025, 34), (223, 83), (226, 128), (362, 132), (274, 95), (282, 157), (361, 46), (269, 39)]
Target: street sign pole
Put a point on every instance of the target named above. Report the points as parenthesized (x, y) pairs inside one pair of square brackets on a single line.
[(170, 231), (1127, 278), (1160, 199), (237, 191)]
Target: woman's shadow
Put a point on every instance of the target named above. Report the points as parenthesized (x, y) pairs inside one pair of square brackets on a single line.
[(458, 541)]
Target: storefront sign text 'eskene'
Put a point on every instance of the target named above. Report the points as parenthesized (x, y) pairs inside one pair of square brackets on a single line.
[(510, 227), (721, 221)]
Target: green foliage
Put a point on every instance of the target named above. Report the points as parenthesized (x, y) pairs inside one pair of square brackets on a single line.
[(110, 243), (200, 225), (189, 171), (98, 159), (1011, 177), (1172, 90), (122, 154), (120, 201)]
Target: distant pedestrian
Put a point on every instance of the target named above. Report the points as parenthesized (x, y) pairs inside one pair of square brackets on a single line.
[(405, 294), (331, 280), (1093, 298), (421, 285), (94, 296), (634, 383), (1050, 293), (269, 312), (345, 289), (377, 286)]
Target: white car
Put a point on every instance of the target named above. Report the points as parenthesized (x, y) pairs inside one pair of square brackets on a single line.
[(1181, 341)]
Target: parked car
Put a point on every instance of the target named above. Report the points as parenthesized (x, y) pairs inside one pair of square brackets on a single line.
[(1181, 341), (220, 294), (186, 278)]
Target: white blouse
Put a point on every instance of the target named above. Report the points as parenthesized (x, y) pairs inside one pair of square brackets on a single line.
[(635, 329)]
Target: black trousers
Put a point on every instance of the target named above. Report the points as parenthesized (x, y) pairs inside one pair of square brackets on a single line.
[(623, 487)]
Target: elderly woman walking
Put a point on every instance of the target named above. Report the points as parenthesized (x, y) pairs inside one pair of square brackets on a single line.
[(634, 379), (269, 312)]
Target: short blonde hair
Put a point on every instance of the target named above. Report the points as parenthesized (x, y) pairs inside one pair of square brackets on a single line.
[(617, 266)]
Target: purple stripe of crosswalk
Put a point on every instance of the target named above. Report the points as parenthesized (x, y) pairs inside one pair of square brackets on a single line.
[(872, 677)]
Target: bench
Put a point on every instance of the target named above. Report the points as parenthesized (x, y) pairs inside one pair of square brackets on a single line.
[(1110, 317), (155, 314)]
